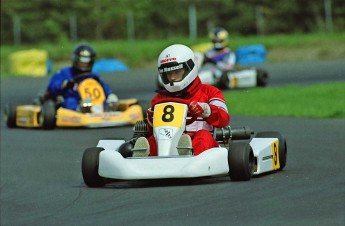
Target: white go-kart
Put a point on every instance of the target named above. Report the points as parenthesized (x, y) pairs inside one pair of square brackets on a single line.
[(238, 155), (238, 78)]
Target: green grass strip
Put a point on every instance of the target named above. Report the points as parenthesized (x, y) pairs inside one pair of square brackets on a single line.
[(314, 101)]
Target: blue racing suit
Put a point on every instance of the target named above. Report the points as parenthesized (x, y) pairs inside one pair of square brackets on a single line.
[(225, 59), (71, 96)]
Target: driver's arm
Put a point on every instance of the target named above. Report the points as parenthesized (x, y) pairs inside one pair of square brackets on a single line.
[(55, 86)]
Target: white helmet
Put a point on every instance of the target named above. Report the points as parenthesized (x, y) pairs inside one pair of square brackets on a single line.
[(173, 58)]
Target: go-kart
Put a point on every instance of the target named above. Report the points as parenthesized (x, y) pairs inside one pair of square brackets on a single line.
[(239, 77), (47, 113), (112, 159)]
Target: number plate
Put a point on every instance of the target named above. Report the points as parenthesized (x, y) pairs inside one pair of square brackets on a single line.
[(169, 114), (90, 87), (275, 155)]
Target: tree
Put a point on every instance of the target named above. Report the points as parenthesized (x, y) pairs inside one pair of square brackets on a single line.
[(107, 19)]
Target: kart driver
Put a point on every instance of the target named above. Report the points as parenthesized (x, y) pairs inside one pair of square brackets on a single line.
[(220, 54), (63, 84), (179, 73)]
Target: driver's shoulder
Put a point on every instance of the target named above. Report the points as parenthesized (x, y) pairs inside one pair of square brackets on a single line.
[(65, 73), (210, 52), (66, 70), (209, 90)]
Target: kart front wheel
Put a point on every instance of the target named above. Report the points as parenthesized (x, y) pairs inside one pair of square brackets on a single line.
[(241, 161), (224, 82), (48, 115), (89, 166), (282, 149), (11, 116)]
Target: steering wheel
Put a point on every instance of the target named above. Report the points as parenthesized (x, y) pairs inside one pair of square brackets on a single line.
[(181, 101)]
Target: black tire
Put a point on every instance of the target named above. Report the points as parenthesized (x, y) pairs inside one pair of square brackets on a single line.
[(11, 116), (48, 115), (261, 77), (89, 166), (241, 161), (282, 149), (224, 81)]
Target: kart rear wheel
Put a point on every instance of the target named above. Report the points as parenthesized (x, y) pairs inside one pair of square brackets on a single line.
[(89, 166), (48, 115), (281, 142), (241, 161), (261, 77), (11, 116)]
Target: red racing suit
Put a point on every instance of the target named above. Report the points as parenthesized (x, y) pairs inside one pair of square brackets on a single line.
[(200, 130)]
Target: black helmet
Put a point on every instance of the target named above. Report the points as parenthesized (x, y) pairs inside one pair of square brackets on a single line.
[(219, 38), (83, 57)]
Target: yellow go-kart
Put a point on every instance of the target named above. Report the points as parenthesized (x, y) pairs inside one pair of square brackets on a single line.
[(48, 113)]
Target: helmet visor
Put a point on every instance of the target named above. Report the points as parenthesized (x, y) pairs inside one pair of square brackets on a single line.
[(84, 59), (166, 68)]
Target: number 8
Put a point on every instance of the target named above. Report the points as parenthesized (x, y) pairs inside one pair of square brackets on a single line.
[(168, 113)]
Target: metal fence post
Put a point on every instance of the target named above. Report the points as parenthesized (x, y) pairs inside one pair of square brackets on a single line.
[(192, 22), (16, 30)]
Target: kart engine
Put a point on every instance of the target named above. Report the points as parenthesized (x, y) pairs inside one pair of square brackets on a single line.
[(226, 134), (140, 129)]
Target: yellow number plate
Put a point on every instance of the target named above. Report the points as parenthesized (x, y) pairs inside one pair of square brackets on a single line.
[(275, 155), (169, 114), (91, 88)]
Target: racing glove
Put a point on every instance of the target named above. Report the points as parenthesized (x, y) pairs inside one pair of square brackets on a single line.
[(112, 98), (112, 102), (67, 84), (200, 109)]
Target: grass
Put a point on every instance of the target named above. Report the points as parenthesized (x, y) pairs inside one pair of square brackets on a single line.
[(315, 101), (144, 53)]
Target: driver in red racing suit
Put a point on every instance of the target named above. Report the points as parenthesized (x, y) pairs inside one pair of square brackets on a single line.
[(179, 73)]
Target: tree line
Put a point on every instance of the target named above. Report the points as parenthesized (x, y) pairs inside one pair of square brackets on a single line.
[(37, 21)]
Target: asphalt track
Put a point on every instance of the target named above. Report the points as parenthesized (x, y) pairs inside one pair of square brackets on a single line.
[(41, 181)]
